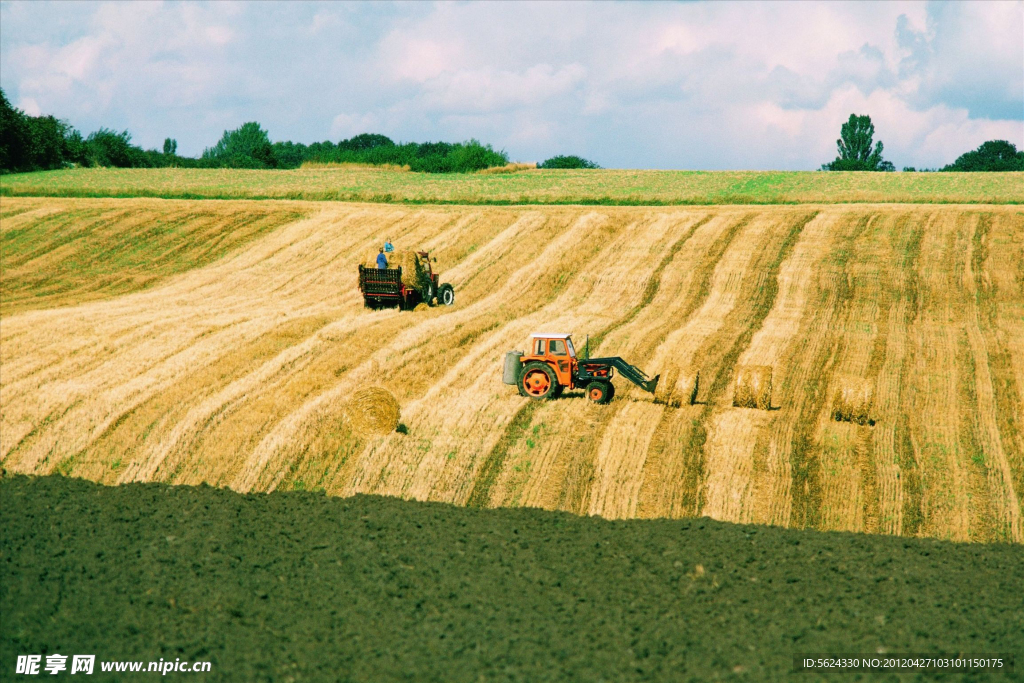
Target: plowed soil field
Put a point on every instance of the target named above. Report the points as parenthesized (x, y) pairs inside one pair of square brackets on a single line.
[(304, 587), (222, 347)]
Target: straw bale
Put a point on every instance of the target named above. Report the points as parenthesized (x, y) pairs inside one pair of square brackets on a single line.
[(414, 272), (370, 260), (852, 400), (753, 387), (677, 387), (373, 411)]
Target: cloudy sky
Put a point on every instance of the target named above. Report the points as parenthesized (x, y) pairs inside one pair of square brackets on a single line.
[(692, 85)]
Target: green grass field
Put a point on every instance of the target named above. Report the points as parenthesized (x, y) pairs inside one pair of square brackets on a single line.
[(604, 187)]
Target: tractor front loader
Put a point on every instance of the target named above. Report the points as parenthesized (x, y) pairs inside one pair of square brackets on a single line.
[(550, 367)]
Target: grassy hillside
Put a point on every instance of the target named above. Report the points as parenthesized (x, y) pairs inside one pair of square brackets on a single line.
[(297, 586), (601, 187), (233, 373)]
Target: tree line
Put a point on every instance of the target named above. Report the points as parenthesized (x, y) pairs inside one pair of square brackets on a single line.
[(856, 153), (35, 143)]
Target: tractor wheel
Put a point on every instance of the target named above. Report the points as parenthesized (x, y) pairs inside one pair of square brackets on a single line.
[(599, 392), (537, 381), (446, 294)]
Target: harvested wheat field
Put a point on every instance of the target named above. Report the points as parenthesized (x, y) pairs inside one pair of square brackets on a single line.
[(227, 343)]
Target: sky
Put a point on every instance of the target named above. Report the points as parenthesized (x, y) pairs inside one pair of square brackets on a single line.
[(672, 85)]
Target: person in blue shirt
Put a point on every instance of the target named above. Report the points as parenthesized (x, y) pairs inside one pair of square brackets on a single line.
[(382, 260), (388, 247)]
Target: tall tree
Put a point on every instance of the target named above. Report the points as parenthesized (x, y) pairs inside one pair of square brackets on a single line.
[(170, 146), (855, 152)]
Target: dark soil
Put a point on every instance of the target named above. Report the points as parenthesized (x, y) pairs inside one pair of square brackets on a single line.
[(298, 586)]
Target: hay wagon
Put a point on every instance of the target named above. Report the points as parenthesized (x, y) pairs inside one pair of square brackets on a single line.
[(412, 282)]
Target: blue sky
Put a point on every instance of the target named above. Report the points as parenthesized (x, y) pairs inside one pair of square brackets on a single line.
[(693, 85)]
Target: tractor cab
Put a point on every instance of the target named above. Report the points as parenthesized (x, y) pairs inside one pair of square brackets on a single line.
[(556, 350)]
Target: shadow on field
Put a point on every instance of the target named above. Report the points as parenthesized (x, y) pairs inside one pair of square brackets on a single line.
[(298, 586)]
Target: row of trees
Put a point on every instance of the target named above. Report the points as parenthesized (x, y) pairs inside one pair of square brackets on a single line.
[(33, 143), (856, 153), (38, 143), (30, 143)]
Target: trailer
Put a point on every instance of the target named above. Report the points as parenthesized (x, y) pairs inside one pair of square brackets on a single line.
[(383, 287)]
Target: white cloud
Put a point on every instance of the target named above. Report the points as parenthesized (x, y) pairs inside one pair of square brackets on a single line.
[(30, 107), (489, 89), (414, 55), (690, 85), (344, 126)]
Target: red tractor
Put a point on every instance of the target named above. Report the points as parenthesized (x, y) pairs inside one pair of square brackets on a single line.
[(551, 367)]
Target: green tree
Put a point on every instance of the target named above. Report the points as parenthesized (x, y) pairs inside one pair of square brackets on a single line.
[(109, 148), (170, 146), (47, 141), (246, 147), (855, 152), (365, 141), (75, 150), (570, 161), (15, 138), (994, 155), (29, 143)]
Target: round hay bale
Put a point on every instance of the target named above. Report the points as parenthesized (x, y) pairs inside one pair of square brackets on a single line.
[(753, 387), (852, 400), (676, 387), (373, 411)]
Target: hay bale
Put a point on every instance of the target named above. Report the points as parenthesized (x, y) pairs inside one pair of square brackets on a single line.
[(372, 411), (370, 260), (753, 387), (677, 387), (414, 272), (414, 269), (852, 400)]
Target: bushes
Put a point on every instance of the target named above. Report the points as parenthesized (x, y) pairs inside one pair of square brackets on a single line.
[(994, 155), (107, 148), (427, 157), (39, 143), (245, 147), (568, 162)]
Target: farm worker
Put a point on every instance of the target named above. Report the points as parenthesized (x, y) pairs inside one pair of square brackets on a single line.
[(382, 260), (388, 247)]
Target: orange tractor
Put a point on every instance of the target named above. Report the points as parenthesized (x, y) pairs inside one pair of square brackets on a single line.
[(551, 367)]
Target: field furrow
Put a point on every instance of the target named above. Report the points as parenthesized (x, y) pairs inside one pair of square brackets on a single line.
[(195, 341)]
